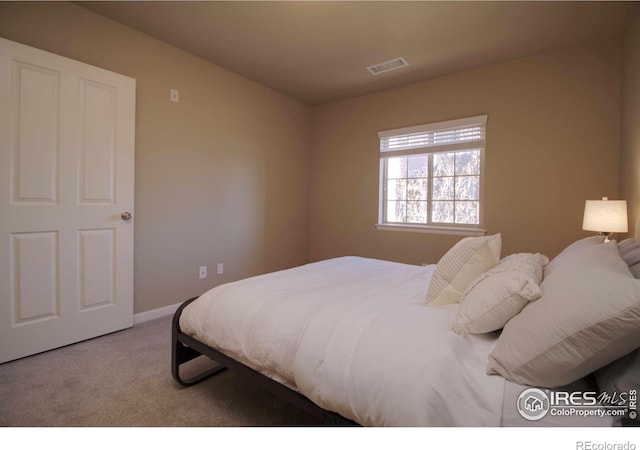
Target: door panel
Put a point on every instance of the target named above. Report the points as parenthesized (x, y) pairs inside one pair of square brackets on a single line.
[(98, 144), (35, 258), (36, 119), (66, 175), (97, 280)]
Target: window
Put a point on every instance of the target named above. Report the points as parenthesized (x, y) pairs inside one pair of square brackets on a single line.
[(430, 177)]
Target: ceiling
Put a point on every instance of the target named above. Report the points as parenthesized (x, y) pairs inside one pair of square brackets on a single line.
[(318, 51)]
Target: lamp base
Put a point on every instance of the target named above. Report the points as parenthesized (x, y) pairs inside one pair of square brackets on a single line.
[(606, 234)]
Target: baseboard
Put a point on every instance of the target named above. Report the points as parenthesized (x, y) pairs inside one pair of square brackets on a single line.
[(155, 313)]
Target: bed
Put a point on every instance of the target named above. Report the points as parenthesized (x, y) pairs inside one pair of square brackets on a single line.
[(358, 341)]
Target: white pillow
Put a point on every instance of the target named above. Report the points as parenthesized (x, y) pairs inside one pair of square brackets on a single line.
[(571, 253), (500, 293), (588, 316), (461, 265), (627, 245), (630, 252)]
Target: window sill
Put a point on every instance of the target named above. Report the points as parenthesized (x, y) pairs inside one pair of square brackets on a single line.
[(458, 231)]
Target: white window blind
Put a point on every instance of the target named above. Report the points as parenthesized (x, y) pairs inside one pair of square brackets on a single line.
[(451, 135)]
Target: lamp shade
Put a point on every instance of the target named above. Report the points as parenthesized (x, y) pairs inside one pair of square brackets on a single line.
[(606, 216)]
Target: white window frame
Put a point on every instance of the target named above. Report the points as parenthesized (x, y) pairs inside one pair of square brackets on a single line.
[(419, 140)]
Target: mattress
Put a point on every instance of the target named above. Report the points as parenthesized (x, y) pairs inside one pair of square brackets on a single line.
[(354, 335)]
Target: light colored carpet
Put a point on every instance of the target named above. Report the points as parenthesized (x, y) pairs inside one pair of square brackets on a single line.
[(124, 379)]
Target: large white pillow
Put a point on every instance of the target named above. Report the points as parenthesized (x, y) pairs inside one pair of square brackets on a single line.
[(571, 253), (462, 264), (500, 293), (588, 316)]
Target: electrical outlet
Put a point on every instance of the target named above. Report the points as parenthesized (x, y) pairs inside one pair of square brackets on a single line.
[(203, 272), (220, 269), (174, 95)]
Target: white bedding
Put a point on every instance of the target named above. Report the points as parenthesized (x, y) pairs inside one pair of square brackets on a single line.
[(354, 335)]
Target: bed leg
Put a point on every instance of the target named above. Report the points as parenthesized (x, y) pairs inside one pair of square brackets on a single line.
[(181, 353)]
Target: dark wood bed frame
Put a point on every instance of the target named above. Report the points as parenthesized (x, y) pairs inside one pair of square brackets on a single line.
[(184, 348)]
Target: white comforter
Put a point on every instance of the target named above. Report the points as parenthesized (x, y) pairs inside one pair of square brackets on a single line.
[(354, 335)]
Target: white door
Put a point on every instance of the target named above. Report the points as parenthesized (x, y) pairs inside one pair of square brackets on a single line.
[(66, 176)]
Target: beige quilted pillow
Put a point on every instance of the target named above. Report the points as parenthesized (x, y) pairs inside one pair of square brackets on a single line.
[(460, 266), (500, 293)]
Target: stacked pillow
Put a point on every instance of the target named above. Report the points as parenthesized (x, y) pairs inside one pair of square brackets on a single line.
[(460, 266), (630, 252), (576, 315), (491, 291), (500, 293), (587, 317)]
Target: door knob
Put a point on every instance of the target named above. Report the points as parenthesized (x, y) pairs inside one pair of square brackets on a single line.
[(126, 216)]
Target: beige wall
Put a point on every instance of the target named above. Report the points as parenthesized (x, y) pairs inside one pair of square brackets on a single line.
[(630, 135), (552, 142), (226, 175), (220, 176)]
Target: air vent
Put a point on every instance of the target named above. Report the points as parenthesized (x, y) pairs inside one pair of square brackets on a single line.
[(386, 66)]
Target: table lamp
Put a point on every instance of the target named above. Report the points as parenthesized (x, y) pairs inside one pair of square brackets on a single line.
[(605, 216)]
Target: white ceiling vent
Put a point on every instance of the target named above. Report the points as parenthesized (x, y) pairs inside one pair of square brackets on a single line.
[(386, 66)]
